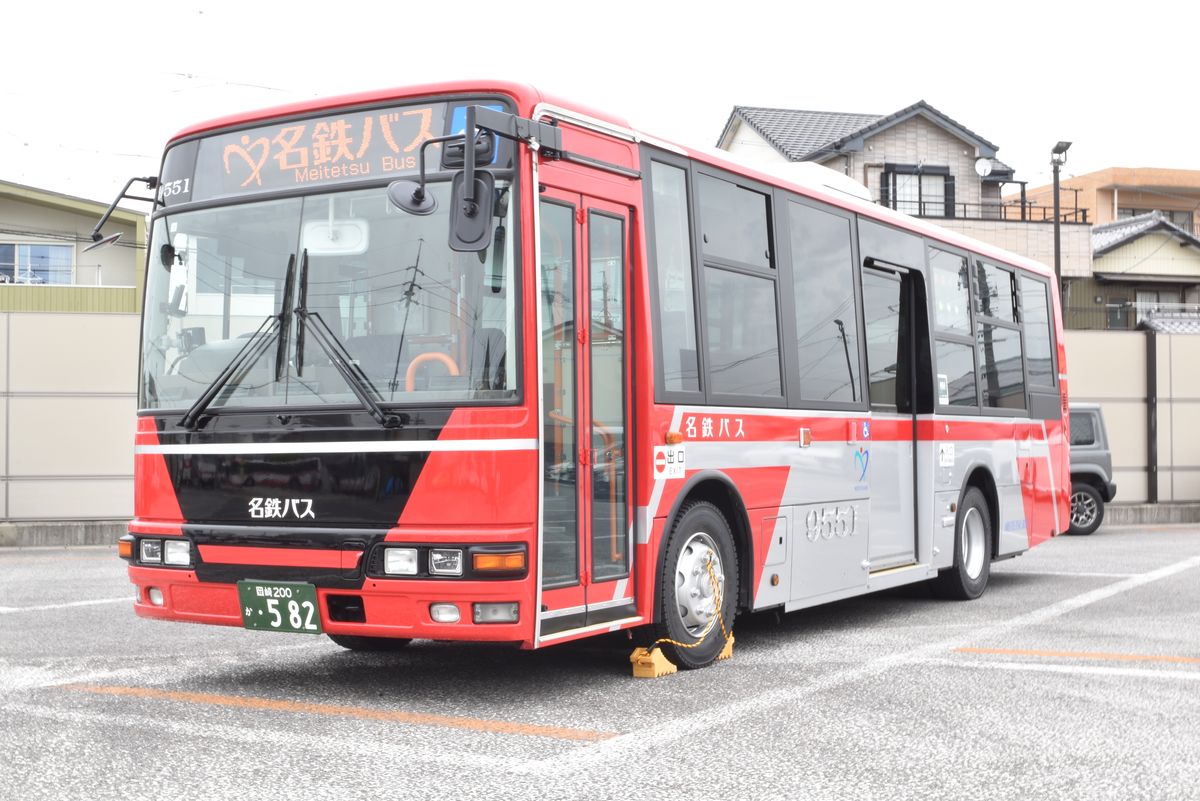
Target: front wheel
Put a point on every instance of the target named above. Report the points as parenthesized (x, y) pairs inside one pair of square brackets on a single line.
[(967, 578), (355, 643), (1087, 509), (698, 587)]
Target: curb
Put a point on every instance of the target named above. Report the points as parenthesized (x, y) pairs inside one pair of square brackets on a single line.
[(1139, 514), (62, 534)]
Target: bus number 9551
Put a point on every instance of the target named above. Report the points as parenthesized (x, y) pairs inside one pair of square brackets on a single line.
[(828, 522)]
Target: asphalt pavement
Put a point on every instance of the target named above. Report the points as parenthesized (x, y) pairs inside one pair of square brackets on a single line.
[(1076, 676)]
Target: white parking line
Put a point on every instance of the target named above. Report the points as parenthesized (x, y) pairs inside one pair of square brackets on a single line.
[(626, 747), (1074, 670), (1067, 573), (11, 610)]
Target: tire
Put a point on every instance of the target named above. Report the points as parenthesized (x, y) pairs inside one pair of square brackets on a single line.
[(685, 602), (967, 578), (1087, 508), (355, 643)]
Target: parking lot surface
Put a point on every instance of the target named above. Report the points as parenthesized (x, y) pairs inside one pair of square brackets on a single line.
[(1077, 675)]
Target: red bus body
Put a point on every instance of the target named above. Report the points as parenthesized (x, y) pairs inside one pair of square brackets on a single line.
[(484, 468)]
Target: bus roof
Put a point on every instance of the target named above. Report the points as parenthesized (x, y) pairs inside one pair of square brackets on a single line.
[(528, 97)]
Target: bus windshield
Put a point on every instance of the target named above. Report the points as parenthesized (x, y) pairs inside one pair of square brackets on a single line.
[(420, 322)]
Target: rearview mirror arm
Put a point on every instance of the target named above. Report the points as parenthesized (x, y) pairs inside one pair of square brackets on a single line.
[(419, 192), (151, 183)]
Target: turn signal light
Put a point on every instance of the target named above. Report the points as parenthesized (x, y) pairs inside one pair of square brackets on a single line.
[(674, 437), (125, 547), (498, 562)]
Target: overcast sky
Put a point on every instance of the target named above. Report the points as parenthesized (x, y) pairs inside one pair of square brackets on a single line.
[(91, 93)]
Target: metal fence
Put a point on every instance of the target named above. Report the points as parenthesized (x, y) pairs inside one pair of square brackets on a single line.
[(1003, 211), (1125, 316), (60, 275)]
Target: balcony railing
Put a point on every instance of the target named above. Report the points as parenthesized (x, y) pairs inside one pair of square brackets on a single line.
[(1127, 315), (1014, 211)]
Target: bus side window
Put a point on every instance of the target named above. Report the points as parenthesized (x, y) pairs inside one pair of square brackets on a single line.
[(827, 333)]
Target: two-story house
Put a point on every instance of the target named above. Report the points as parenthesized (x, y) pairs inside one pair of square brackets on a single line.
[(919, 161)]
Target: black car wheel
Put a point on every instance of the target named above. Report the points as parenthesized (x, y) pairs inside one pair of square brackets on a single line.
[(1087, 509)]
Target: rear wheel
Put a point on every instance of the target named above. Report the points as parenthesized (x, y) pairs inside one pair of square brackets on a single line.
[(967, 578), (1087, 509), (698, 587), (356, 643)]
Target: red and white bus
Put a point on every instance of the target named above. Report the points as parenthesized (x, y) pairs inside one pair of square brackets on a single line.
[(574, 381)]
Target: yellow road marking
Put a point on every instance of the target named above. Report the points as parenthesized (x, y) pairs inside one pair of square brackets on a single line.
[(360, 713), (1181, 660)]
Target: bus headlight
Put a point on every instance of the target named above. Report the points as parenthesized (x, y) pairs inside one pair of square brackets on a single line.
[(445, 561), (400, 561), (177, 552), (151, 551)]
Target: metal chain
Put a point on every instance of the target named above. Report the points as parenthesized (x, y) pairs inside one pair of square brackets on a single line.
[(718, 618)]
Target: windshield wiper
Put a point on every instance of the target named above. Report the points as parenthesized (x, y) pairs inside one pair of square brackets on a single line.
[(285, 319), (256, 346), (342, 361)]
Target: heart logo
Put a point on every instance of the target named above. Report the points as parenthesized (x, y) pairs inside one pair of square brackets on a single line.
[(862, 460)]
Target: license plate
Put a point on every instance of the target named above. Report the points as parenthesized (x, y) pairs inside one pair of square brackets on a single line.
[(280, 606)]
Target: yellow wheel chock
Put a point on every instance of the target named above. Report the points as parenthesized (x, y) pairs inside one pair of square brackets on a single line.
[(652, 663)]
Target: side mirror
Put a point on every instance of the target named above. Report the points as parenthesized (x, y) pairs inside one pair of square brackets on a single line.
[(471, 211), (102, 241)]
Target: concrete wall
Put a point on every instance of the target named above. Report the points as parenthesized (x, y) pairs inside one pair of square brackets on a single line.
[(1178, 417), (1034, 240), (68, 405), (1109, 368)]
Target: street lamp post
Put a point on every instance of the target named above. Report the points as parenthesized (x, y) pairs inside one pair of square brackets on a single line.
[(1058, 157)]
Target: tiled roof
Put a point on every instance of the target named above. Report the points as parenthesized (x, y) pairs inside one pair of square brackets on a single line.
[(800, 134), (1172, 323), (1114, 234), (796, 133)]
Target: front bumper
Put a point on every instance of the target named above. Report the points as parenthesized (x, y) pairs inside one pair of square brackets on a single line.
[(391, 607)]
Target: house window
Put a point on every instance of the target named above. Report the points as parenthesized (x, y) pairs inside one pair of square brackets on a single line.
[(36, 263), (919, 190), (1152, 301)]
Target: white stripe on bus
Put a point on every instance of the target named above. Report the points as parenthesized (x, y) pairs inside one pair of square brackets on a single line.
[(373, 446)]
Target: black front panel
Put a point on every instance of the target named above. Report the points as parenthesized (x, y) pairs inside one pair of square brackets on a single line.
[(325, 482), (338, 540)]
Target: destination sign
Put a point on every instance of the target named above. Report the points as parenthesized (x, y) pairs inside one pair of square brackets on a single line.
[(356, 146)]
